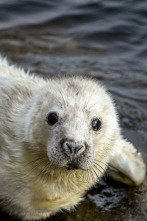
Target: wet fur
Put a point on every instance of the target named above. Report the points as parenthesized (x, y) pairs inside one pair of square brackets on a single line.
[(33, 184)]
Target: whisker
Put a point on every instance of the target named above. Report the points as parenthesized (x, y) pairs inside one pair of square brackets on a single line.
[(97, 176), (96, 103), (89, 176), (63, 98), (43, 173), (61, 95), (98, 169), (36, 160), (58, 101), (34, 164), (37, 163), (89, 99), (99, 166), (107, 108), (98, 161), (93, 172)]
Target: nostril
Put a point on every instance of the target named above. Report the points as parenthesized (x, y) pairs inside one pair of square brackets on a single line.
[(69, 147), (78, 148)]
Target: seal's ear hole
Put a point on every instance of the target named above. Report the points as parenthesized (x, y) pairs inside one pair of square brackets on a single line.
[(52, 118), (96, 124)]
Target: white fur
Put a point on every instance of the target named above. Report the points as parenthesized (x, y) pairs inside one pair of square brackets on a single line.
[(30, 186)]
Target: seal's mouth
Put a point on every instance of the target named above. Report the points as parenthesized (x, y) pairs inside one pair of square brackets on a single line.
[(73, 166)]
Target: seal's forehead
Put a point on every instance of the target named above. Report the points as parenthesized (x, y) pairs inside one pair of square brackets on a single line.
[(80, 94)]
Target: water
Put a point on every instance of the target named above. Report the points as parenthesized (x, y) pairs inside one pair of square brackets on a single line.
[(104, 39)]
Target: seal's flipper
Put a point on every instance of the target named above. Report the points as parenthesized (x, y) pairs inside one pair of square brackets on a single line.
[(126, 165)]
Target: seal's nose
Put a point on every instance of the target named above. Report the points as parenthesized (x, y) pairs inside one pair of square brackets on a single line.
[(72, 149)]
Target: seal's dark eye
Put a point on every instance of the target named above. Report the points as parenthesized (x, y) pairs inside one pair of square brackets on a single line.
[(96, 124), (52, 118)]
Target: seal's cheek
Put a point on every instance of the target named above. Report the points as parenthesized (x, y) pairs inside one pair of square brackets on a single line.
[(56, 157)]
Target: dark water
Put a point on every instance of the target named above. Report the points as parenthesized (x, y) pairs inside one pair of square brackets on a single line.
[(106, 40)]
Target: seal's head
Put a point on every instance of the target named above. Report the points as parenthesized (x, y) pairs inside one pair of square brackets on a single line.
[(74, 120)]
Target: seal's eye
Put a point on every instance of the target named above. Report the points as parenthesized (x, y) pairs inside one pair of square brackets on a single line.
[(52, 118), (96, 124)]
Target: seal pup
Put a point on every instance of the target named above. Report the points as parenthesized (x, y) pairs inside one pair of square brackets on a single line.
[(57, 138)]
